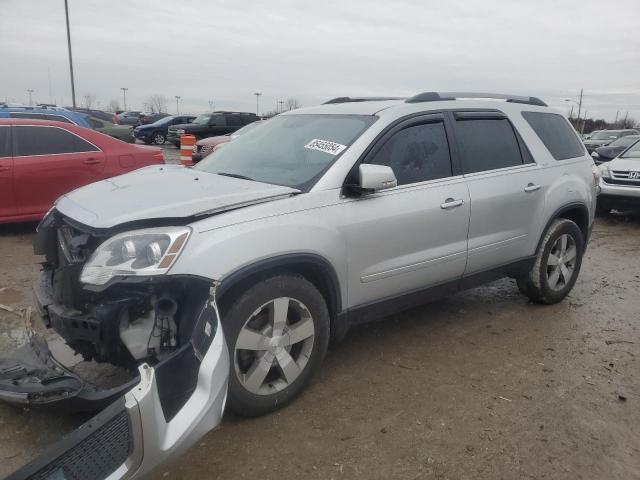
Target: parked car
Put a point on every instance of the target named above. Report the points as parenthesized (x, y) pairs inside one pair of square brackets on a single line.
[(619, 145), (121, 132), (148, 118), (602, 138), (57, 114), (41, 160), (99, 114), (156, 132), (211, 125), (321, 219), (207, 146), (130, 118), (620, 181)]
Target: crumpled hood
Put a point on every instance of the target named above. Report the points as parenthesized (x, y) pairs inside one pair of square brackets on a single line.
[(166, 191)]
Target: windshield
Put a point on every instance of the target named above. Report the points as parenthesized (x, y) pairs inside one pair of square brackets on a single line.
[(202, 119), (632, 152), (605, 135), (290, 150), (625, 141), (162, 121), (246, 128)]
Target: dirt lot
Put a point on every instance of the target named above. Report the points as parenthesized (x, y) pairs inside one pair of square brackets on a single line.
[(480, 385)]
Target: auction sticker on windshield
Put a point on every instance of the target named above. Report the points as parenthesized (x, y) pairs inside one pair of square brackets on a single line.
[(325, 146)]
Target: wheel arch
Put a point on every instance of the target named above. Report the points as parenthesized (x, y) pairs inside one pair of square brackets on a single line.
[(313, 267), (577, 212)]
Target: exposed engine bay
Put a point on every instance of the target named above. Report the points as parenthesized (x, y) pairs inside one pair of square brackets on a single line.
[(128, 321)]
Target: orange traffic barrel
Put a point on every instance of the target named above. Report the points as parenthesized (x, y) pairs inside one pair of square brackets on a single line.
[(187, 142)]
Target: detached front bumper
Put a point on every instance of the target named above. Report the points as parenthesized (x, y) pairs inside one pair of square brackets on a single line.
[(156, 416)]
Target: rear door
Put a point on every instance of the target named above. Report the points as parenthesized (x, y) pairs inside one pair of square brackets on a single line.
[(7, 200), (506, 188), (48, 162)]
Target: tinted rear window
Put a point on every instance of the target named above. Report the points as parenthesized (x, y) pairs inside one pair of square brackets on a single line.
[(35, 140), (487, 144), (556, 134)]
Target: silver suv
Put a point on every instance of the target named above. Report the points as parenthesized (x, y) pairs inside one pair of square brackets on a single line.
[(317, 220)]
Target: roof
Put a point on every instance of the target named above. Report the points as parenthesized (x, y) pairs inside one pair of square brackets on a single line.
[(32, 121)]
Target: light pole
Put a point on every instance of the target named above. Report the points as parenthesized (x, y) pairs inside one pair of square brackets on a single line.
[(178, 104), (73, 87), (212, 105), (281, 102), (29, 91), (124, 97), (258, 94)]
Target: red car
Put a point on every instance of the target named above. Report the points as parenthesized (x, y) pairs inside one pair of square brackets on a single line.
[(40, 160)]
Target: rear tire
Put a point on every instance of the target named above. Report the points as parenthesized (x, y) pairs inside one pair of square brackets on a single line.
[(557, 264), (283, 323)]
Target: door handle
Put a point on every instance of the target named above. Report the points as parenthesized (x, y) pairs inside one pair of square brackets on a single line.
[(531, 188), (4, 168), (451, 203), (91, 161)]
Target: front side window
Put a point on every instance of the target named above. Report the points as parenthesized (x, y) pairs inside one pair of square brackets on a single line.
[(5, 146), (556, 134), (487, 144), (416, 154), (289, 150), (202, 119), (218, 121), (37, 140)]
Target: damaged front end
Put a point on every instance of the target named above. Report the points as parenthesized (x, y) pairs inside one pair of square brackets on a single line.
[(163, 329)]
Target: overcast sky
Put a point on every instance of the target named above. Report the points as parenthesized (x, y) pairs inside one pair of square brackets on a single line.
[(315, 50)]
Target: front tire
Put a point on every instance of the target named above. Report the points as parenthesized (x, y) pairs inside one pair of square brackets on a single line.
[(557, 264), (278, 334), (159, 138)]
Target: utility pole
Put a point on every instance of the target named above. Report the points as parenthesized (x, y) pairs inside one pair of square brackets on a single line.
[(616, 120), (281, 102), (584, 120), (257, 94), (30, 91), (580, 104), (624, 122), (73, 86), (177, 104), (49, 77), (124, 97)]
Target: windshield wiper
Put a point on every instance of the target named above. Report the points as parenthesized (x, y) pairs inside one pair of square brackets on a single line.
[(234, 175)]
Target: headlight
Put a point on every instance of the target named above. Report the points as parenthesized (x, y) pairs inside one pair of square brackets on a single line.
[(595, 155), (145, 252), (604, 171)]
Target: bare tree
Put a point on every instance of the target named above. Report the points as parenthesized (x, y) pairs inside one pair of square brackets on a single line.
[(113, 106), (292, 103), (157, 103), (89, 100)]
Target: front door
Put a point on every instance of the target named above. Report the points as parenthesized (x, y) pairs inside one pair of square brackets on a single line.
[(7, 200), (412, 236), (48, 162)]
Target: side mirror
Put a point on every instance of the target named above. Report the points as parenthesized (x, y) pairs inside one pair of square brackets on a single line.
[(374, 178)]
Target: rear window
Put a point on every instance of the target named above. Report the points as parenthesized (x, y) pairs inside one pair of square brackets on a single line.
[(556, 134), (37, 140), (487, 144)]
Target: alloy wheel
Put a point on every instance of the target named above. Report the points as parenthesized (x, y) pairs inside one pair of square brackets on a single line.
[(274, 346), (561, 263)]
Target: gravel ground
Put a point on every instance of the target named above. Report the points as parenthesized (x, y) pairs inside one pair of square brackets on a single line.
[(481, 385)]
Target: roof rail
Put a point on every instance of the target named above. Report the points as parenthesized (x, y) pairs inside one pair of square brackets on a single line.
[(439, 96), (360, 99)]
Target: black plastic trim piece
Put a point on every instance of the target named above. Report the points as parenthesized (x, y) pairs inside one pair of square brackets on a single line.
[(444, 96), (382, 308), (359, 99), (68, 442), (558, 213)]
